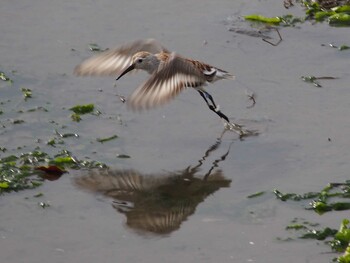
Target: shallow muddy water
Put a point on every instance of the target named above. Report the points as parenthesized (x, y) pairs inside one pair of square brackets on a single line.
[(175, 153)]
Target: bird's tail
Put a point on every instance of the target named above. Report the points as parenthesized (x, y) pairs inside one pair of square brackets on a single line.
[(221, 74)]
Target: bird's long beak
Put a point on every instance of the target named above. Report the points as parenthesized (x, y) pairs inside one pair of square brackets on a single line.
[(130, 68)]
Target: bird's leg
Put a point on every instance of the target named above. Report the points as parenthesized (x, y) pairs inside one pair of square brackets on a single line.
[(212, 106)]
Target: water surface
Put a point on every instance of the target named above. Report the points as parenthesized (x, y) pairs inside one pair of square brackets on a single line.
[(302, 146)]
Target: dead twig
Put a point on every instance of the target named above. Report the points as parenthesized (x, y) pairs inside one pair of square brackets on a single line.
[(251, 96), (279, 41)]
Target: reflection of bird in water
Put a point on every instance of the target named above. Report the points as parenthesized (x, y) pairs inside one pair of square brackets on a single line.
[(157, 203)]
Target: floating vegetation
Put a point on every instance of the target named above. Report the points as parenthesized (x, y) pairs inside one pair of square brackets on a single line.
[(39, 108), (296, 227), (339, 20), (319, 234), (41, 156), (102, 140), (27, 93), (310, 230), (336, 14), (294, 197), (340, 239), (81, 110), (321, 201), (285, 20), (4, 77), (290, 20), (28, 170), (54, 141), (16, 175), (263, 19), (76, 117), (341, 47), (345, 258)]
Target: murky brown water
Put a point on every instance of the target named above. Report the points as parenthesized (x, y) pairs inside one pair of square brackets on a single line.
[(171, 147)]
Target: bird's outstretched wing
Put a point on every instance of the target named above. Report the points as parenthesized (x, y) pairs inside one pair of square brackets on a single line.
[(113, 62), (173, 76)]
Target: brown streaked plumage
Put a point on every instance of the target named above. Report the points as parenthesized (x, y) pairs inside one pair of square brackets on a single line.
[(170, 73)]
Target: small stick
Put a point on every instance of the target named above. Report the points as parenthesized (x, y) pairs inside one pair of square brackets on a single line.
[(251, 97), (279, 41)]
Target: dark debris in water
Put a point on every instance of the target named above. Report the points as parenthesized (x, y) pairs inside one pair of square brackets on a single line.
[(256, 194), (314, 80), (44, 205), (66, 135), (51, 172), (102, 140), (123, 156), (96, 48)]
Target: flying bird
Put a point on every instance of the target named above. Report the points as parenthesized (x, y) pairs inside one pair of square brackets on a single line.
[(169, 72)]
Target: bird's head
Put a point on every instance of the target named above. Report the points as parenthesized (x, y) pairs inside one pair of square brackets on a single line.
[(142, 60)]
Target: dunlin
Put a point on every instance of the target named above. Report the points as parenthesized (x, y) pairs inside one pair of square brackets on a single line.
[(170, 73)]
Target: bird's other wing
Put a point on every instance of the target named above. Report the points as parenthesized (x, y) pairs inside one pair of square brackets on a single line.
[(113, 62)]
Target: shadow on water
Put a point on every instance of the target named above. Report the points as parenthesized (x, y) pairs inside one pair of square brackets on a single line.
[(158, 203)]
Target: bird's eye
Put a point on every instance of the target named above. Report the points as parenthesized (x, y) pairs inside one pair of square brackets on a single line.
[(139, 60)]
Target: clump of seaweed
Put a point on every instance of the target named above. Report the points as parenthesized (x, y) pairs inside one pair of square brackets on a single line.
[(323, 201), (28, 170), (335, 12)]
